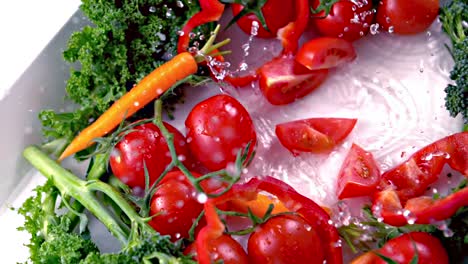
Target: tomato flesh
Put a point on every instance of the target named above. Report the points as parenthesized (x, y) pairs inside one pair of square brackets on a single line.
[(359, 174), (277, 13), (285, 239), (174, 206), (217, 129), (346, 20), (325, 53), (223, 248), (145, 146), (317, 135), (407, 17), (282, 80)]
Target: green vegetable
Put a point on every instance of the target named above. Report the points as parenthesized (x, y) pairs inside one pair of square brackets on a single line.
[(64, 238), (454, 18), (127, 40)]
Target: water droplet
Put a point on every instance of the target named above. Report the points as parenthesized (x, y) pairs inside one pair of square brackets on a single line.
[(152, 9), (254, 28), (243, 66), (192, 35), (182, 158), (179, 204), (391, 29), (180, 33), (374, 29), (136, 104), (202, 198), (428, 34), (180, 4)]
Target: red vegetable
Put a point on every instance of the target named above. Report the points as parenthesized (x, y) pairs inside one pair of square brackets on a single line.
[(401, 202), (174, 206), (325, 53), (285, 239), (407, 17), (290, 34), (217, 129), (283, 80), (317, 135), (222, 248), (346, 19), (312, 213), (145, 146), (405, 248), (211, 10), (359, 174), (277, 14)]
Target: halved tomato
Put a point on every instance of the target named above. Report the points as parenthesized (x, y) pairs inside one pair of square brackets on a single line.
[(283, 80), (359, 174), (317, 135), (325, 53)]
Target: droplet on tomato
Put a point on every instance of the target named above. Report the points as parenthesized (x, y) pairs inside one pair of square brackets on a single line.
[(181, 158), (202, 198)]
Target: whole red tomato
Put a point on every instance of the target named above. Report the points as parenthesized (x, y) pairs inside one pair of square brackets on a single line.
[(217, 129), (145, 146), (222, 248), (407, 17), (174, 206), (277, 13), (285, 239), (347, 19)]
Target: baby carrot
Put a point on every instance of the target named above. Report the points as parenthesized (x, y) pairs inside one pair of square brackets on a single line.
[(148, 89)]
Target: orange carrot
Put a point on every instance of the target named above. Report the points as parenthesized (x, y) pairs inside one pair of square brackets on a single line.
[(148, 89)]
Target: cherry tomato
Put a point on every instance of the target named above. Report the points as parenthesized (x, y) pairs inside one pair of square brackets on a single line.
[(407, 17), (285, 239), (403, 249), (317, 135), (145, 146), (359, 174), (282, 80), (325, 53), (217, 129), (347, 19), (222, 248), (174, 206), (277, 13)]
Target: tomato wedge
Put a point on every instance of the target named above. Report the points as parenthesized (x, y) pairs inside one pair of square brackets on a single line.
[(325, 53), (282, 80), (359, 174), (316, 135)]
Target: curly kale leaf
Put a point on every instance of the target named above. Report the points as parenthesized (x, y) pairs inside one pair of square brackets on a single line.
[(126, 41)]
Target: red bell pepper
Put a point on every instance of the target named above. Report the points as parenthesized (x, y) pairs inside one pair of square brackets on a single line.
[(316, 216), (290, 34), (400, 201), (419, 210), (211, 10)]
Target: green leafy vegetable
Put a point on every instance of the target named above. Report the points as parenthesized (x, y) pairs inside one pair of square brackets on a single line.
[(126, 41), (454, 18)]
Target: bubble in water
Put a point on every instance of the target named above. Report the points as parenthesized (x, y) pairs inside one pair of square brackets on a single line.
[(202, 198), (169, 13), (374, 29), (428, 34), (152, 9), (391, 29), (254, 28), (243, 66)]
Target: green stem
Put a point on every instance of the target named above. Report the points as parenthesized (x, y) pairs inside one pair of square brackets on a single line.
[(99, 166), (70, 185)]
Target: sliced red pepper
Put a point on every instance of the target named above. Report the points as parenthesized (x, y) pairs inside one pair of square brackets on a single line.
[(211, 10), (316, 216), (420, 210), (412, 177), (290, 34)]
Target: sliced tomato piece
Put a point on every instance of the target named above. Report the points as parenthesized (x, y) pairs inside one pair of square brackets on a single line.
[(317, 135), (282, 80), (359, 174), (325, 53)]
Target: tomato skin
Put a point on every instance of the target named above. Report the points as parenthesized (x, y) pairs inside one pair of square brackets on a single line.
[(277, 14), (217, 128), (346, 20), (145, 146), (222, 248), (175, 203), (282, 80), (325, 53), (359, 174), (407, 17), (316, 135), (285, 239), (402, 249)]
